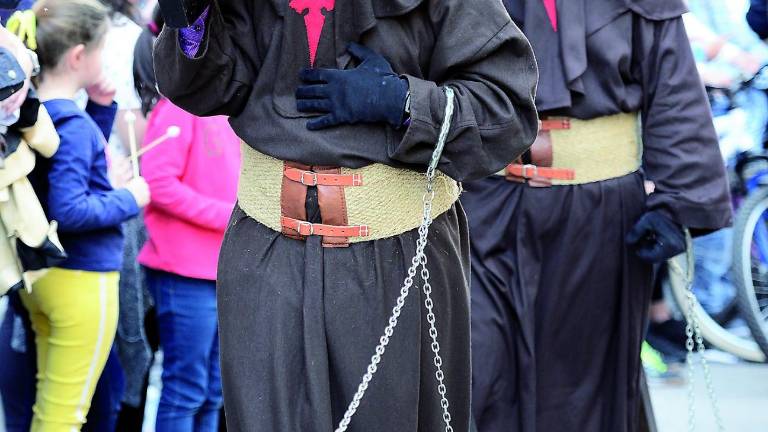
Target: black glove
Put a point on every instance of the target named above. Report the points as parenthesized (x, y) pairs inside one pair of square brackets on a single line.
[(370, 93), (656, 238)]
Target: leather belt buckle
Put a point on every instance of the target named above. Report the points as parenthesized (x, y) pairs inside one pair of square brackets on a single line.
[(526, 167), (319, 176), (364, 232), (312, 178), (357, 179), (305, 228)]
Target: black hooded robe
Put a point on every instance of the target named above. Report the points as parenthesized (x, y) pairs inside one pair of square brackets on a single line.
[(559, 303), (298, 322)]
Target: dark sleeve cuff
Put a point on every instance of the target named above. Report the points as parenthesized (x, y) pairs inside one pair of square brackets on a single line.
[(698, 218), (104, 116), (419, 131), (130, 202)]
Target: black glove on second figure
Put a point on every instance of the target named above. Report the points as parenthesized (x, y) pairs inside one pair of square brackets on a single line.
[(656, 238), (370, 93)]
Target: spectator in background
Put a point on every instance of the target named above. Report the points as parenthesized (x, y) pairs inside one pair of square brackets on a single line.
[(193, 180), (147, 9), (131, 343), (137, 331), (18, 354), (16, 342), (727, 53), (74, 331), (126, 26)]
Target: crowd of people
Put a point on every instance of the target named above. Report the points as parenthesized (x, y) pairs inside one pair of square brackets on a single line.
[(68, 360), (298, 128)]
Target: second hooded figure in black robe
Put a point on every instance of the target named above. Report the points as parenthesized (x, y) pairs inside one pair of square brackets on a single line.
[(559, 302)]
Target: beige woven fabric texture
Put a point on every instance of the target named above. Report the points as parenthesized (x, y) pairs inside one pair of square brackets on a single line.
[(598, 149), (389, 202)]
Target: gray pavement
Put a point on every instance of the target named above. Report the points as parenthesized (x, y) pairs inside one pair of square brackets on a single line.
[(742, 390)]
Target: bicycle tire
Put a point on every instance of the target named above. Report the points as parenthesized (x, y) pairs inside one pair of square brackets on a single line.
[(730, 311), (746, 220), (714, 333)]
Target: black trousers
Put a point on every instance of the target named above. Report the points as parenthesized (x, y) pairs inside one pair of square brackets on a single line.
[(559, 306), (299, 323)]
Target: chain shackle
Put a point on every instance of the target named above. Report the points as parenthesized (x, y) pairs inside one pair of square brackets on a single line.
[(695, 340), (420, 259)]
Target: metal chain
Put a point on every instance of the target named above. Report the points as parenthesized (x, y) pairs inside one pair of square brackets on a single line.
[(435, 345), (689, 362), (419, 259), (694, 338)]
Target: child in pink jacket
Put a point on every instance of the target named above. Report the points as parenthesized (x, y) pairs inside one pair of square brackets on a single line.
[(193, 182)]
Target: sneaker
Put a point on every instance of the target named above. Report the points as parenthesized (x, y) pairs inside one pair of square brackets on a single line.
[(656, 368)]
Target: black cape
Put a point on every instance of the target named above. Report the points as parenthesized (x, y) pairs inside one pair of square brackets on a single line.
[(613, 56), (299, 322), (559, 303)]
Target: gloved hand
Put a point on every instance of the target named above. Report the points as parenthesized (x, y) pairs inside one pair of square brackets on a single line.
[(656, 238), (370, 93)]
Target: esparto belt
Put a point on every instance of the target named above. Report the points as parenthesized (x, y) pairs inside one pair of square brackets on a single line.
[(570, 151), (369, 203)]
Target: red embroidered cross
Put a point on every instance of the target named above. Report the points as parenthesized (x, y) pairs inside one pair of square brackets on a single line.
[(551, 8), (312, 10)]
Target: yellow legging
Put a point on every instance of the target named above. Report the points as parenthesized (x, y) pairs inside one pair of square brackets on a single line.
[(74, 316)]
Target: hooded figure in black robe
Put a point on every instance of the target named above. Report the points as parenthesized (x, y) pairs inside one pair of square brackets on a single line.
[(559, 300), (299, 322)]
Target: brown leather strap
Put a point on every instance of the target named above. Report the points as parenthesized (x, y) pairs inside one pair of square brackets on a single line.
[(333, 205), (554, 123), (533, 171), (539, 172), (313, 178), (308, 229), (293, 197)]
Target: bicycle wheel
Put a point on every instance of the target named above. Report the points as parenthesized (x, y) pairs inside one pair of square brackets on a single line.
[(679, 280), (750, 264)]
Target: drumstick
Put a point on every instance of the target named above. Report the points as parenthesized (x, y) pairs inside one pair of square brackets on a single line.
[(130, 119), (172, 132)]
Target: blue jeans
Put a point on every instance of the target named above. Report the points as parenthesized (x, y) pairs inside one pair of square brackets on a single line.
[(186, 318), (105, 405), (17, 357)]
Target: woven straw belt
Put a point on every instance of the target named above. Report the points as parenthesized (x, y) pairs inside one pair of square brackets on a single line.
[(389, 202), (598, 149)]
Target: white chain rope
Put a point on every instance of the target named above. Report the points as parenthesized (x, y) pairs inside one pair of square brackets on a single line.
[(693, 333), (419, 259)]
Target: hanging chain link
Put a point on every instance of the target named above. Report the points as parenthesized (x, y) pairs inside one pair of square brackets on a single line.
[(419, 260), (435, 344), (694, 339)]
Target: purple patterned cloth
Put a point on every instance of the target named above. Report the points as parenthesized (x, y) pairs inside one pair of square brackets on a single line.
[(191, 37)]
